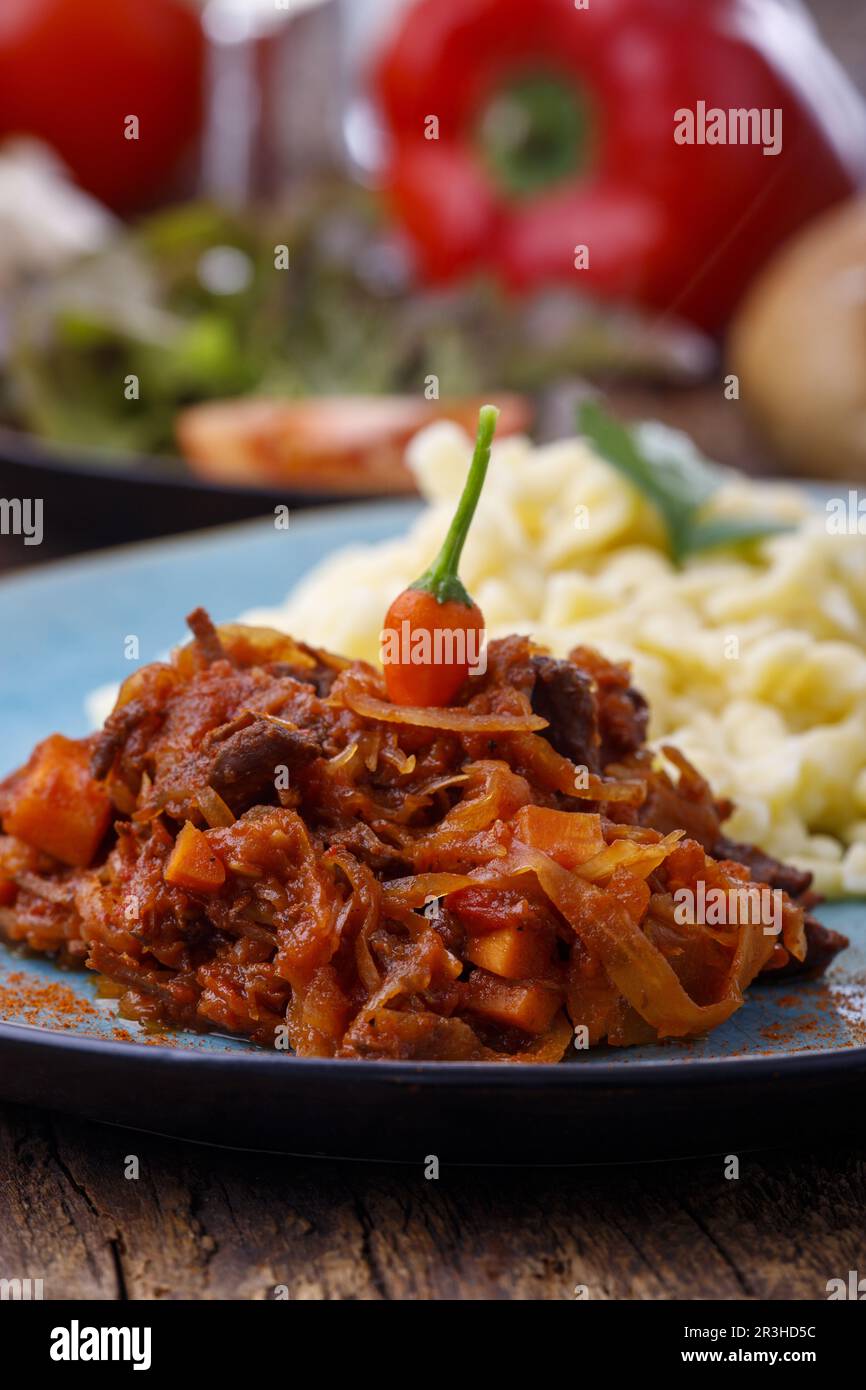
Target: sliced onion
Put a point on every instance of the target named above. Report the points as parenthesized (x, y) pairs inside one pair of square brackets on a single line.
[(215, 811), (458, 721), (638, 969), (402, 893)]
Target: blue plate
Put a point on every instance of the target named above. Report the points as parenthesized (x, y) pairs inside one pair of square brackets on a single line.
[(62, 631)]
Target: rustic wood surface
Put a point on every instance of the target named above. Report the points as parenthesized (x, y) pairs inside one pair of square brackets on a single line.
[(204, 1223)]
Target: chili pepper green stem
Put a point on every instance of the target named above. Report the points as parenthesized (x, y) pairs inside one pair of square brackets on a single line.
[(441, 579)]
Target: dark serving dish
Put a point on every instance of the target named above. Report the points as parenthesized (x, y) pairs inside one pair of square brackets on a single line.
[(92, 500)]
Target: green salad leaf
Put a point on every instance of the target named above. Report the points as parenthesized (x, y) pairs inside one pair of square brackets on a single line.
[(676, 480), (192, 302)]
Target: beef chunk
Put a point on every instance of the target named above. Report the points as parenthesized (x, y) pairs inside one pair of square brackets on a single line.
[(363, 842), (822, 946), (623, 713), (320, 676), (244, 767), (595, 715), (822, 943), (763, 867), (685, 804), (623, 716), (112, 737), (205, 634), (564, 697)]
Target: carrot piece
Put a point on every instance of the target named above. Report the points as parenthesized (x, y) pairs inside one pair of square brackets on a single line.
[(58, 806), (569, 837), (515, 952), (193, 864), (525, 1004)]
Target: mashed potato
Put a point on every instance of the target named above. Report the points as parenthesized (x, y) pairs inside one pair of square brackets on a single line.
[(755, 667)]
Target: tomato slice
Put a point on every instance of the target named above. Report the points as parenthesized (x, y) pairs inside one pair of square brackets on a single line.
[(73, 71)]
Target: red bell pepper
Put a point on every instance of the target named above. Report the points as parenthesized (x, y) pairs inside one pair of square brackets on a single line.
[(556, 127)]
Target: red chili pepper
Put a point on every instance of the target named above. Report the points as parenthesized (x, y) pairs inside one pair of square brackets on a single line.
[(556, 129), (434, 630)]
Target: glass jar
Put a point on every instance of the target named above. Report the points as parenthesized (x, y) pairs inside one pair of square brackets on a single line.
[(363, 27)]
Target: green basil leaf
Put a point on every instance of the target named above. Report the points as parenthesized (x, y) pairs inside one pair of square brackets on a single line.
[(720, 531), (673, 477)]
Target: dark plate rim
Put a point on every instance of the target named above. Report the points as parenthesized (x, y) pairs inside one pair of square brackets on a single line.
[(171, 471), (404, 509), (610, 1075)]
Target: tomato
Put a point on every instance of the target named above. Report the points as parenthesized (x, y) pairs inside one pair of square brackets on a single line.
[(72, 71)]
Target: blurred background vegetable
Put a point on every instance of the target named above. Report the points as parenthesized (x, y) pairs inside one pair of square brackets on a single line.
[(73, 71), (191, 305), (553, 125), (344, 443), (799, 348)]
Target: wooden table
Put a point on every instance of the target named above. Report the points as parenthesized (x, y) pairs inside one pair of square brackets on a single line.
[(205, 1223)]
